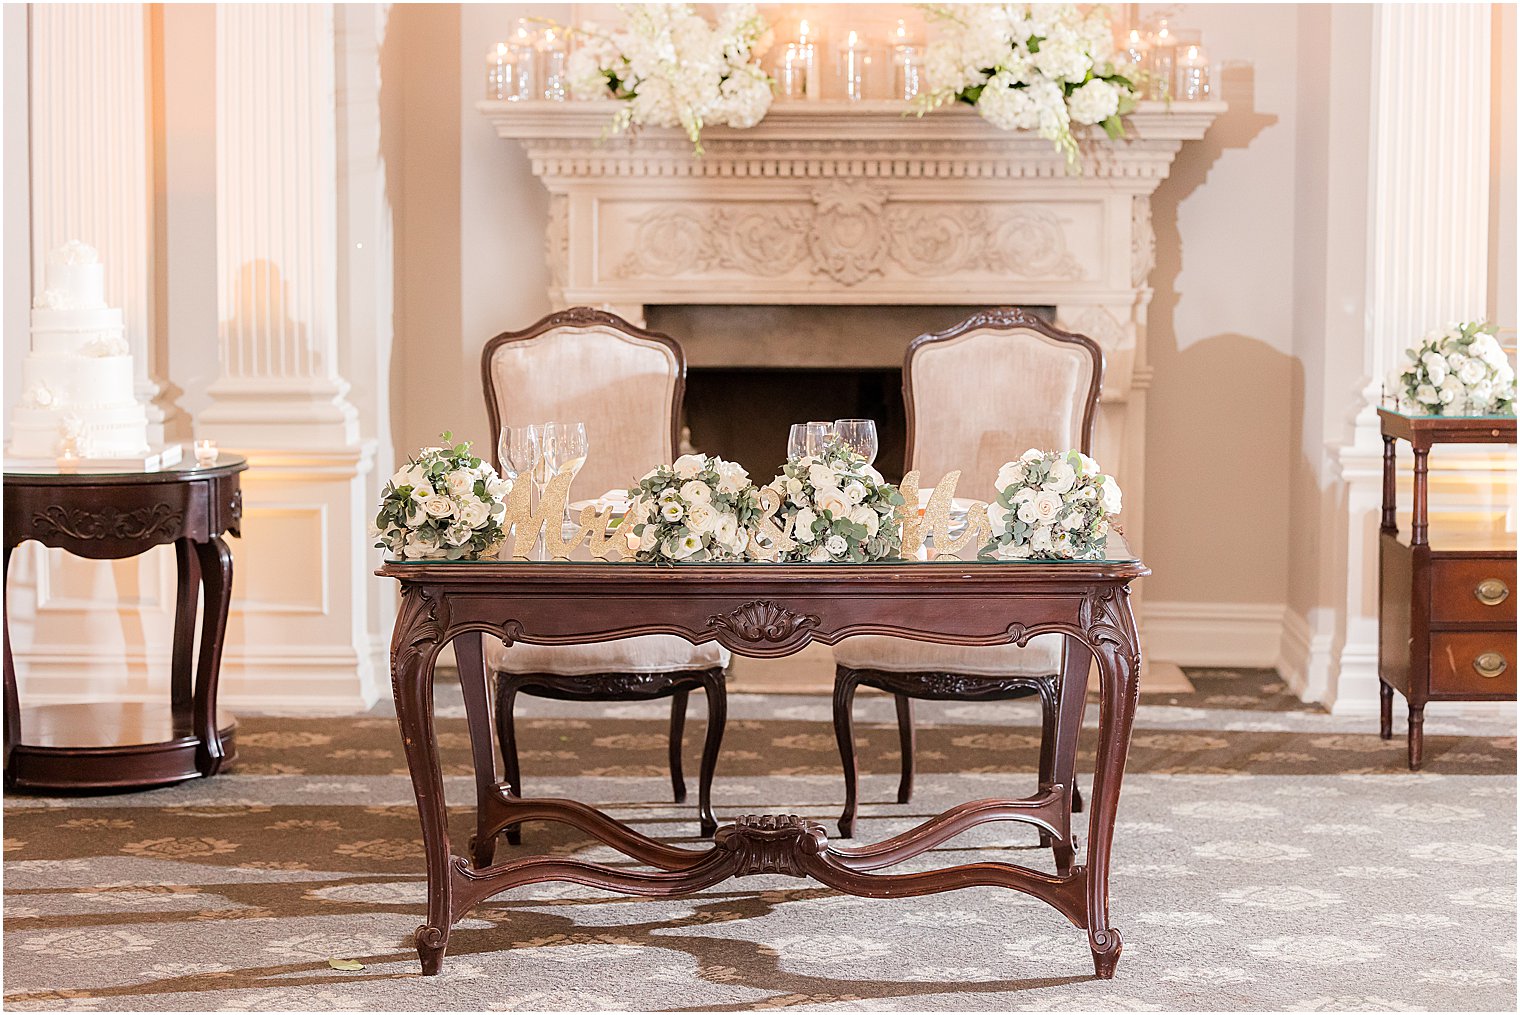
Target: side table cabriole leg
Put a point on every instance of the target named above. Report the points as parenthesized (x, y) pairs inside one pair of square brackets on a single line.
[(1111, 636), (477, 711), (414, 648), (188, 585), (12, 701), (215, 566), (1075, 665)]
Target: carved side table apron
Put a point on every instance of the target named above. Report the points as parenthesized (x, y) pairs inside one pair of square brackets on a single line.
[(768, 610), (107, 516)]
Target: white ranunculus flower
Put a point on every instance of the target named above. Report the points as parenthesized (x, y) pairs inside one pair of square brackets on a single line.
[(1022, 494), (793, 487), (414, 514), (1427, 394), (1073, 520), (702, 516), (473, 512), (854, 491), (649, 538), (461, 482), (863, 515), (498, 488), (1009, 474), (999, 516), (1450, 390), (672, 511), (689, 466), (1112, 498), (832, 500), (836, 546), (1089, 465), (818, 555), (803, 529), (871, 474), (438, 506), (821, 475), (695, 490), (1032, 455), (1435, 367), (726, 530), (1040, 539), (1026, 511), (1062, 544), (1061, 478), (1046, 505), (731, 477), (458, 534), (1472, 371)]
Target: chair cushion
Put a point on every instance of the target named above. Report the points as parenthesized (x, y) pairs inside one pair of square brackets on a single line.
[(1041, 657), (647, 653)]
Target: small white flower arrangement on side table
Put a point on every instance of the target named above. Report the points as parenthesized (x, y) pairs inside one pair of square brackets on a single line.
[(444, 504), (1458, 370), (837, 508), (700, 508), (1052, 505)]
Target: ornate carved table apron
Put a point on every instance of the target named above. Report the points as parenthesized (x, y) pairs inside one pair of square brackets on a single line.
[(768, 610), (109, 515)]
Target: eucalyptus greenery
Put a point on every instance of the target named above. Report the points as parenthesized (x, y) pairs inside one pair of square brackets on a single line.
[(838, 508), (700, 508), (1052, 505), (445, 504)]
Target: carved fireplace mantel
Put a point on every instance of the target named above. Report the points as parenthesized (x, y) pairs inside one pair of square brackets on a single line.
[(855, 203)]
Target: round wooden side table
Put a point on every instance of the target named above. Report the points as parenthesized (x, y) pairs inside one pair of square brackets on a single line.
[(107, 515)]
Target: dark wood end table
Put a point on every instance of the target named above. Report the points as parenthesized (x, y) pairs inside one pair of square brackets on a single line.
[(1446, 615), (109, 515), (769, 610)]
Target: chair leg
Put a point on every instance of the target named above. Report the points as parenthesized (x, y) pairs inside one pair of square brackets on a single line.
[(845, 681), (905, 739), (1385, 711), (506, 734), (717, 718), (677, 734), (1048, 710)]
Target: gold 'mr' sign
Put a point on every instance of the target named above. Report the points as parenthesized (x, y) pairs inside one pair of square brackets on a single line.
[(524, 527)]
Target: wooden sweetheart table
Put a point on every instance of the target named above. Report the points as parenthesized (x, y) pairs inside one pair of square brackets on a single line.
[(768, 610)]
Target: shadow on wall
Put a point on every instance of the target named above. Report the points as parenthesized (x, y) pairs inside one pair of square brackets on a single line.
[(1235, 391), (260, 307)]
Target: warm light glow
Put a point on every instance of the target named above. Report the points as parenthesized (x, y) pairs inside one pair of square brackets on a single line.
[(802, 31), (902, 30), (1192, 53), (1134, 36), (853, 37)]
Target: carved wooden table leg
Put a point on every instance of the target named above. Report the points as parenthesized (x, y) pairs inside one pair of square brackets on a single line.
[(717, 718), (1111, 635), (12, 702), (1076, 663), (215, 566), (477, 710), (845, 682), (419, 634)]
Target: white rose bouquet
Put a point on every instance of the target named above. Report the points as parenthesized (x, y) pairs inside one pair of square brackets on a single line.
[(837, 508), (1040, 67), (1051, 505), (670, 68), (1457, 370), (444, 504), (700, 508)]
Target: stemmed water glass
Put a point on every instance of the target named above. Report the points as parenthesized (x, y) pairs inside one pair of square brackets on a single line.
[(808, 438), (517, 451), (859, 435), (569, 444)]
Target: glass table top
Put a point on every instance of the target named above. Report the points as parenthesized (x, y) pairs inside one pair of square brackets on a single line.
[(1392, 411), (1117, 552), (114, 469)]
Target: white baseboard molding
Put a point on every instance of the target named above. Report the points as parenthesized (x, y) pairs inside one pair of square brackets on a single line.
[(1213, 634)]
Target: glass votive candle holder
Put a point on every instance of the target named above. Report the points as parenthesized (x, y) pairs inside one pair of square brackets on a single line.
[(1161, 62), (205, 452), (1192, 73), (853, 68), (555, 54)]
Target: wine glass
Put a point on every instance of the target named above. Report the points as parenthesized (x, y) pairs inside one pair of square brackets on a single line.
[(808, 438), (517, 451), (570, 446), (859, 435), (543, 456)]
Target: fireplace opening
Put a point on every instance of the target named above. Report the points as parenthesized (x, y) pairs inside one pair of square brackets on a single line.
[(744, 413), (755, 369)]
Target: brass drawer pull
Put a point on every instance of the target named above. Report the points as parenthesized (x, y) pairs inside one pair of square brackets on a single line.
[(1490, 664), (1491, 592)]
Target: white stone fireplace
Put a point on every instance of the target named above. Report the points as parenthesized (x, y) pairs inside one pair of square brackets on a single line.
[(836, 203)]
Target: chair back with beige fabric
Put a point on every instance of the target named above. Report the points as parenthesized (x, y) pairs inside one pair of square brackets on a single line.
[(983, 392), (590, 366)]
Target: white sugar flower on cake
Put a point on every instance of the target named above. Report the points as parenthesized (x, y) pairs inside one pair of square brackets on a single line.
[(74, 252)]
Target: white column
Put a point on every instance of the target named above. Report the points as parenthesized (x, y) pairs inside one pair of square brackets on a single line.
[(296, 308), (277, 225), (91, 165), (1427, 265)]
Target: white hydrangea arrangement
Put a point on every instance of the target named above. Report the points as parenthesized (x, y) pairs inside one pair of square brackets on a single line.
[(700, 508), (444, 504), (837, 508), (670, 68), (1458, 370), (1040, 67), (1052, 505)]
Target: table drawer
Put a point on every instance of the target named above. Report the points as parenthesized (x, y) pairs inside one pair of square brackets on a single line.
[(1477, 662), (1474, 590)]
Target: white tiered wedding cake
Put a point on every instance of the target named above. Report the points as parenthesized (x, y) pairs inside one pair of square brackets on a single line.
[(77, 397)]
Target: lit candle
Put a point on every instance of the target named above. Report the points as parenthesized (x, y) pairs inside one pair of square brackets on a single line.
[(555, 55), (907, 69), (205, 452), (807, 51), (854, 60), (1193, 74)]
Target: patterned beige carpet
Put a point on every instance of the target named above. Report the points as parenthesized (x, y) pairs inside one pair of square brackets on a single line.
[(1268, 857)]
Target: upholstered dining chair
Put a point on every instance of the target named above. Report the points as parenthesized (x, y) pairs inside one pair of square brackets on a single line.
[(626, 385), (977, 395)]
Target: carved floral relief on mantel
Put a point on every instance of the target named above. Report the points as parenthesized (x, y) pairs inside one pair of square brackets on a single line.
[(848, 232)]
